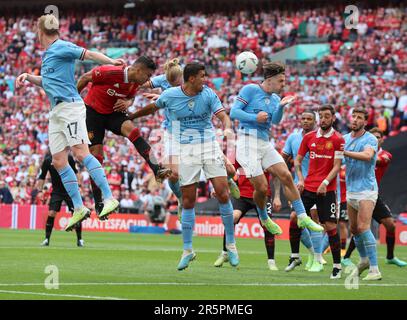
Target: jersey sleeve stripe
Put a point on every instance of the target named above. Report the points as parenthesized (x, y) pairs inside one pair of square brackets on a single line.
[(151, 84), (83, 54), (220, 110), (242, 100)]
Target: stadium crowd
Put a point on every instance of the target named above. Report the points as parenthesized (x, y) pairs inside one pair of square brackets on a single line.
[(365, 67)]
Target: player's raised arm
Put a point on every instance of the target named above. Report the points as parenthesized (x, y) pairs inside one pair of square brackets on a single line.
[(101, 58)]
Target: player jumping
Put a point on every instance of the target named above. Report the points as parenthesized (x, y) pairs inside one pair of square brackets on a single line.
[(244, 204), (257, 107), (112, 92), (67, 125)]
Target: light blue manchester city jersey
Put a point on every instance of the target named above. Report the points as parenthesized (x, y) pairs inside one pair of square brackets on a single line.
[(58, 71), (360, 175), (190, 117)]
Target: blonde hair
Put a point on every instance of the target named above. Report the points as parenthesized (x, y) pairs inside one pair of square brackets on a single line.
[(49, 24), (172, 70)]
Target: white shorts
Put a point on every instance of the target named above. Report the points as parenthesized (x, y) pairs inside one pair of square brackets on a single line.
[(255, 155), (171, 145), (194, 157), (67, 126), (353, 198)]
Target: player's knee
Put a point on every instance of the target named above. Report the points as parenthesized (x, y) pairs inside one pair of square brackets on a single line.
[(262, 190), (52, 214), (80, 154), (223, 196), (236, 218)]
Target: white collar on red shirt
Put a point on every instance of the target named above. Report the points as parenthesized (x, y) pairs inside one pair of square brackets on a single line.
[(326, 135)]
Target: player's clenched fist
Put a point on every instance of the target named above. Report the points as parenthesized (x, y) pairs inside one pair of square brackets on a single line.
[(262, 117)]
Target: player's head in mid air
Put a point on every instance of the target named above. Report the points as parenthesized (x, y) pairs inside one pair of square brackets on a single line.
[(326, 117), (378, 134), (47, 29), (274, 77), (308, 121), (194, 77), (173, 72), (141, 70), (359, 119)]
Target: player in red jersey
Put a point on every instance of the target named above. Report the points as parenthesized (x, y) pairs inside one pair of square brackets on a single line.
[(246, 203), (112, 92), (381, 212), (325, 147)]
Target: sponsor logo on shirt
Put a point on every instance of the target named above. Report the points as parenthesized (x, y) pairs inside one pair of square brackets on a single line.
[(314, 155)]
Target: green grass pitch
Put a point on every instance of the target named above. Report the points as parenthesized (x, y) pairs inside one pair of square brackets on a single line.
[(136, 266)]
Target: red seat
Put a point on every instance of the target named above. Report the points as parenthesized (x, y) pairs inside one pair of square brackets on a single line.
[(393, 133), (403, 129)]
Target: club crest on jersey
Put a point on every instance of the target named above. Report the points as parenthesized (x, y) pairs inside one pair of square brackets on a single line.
[(97, 73), (267, 101), (329, 145), (191, 104)]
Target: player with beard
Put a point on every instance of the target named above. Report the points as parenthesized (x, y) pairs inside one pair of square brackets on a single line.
[(325, 147), (361, 191)]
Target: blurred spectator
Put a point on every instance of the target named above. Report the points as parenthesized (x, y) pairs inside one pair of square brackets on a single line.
[(5, 194)]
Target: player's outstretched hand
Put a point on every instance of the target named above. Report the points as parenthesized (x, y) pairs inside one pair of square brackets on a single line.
[(287, 100), (151, 96), (121, 105), (21, 79), (262, 117), (118, 62)]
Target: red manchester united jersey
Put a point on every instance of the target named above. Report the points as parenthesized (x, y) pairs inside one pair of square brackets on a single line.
[(323, 149), (384, 157), (245, 186), (109, 83)]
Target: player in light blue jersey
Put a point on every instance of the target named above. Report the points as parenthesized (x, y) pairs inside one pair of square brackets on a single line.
[(257, 107), (190, 109), (290, 151), (361, 190), (67, 118), (172, 78)]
